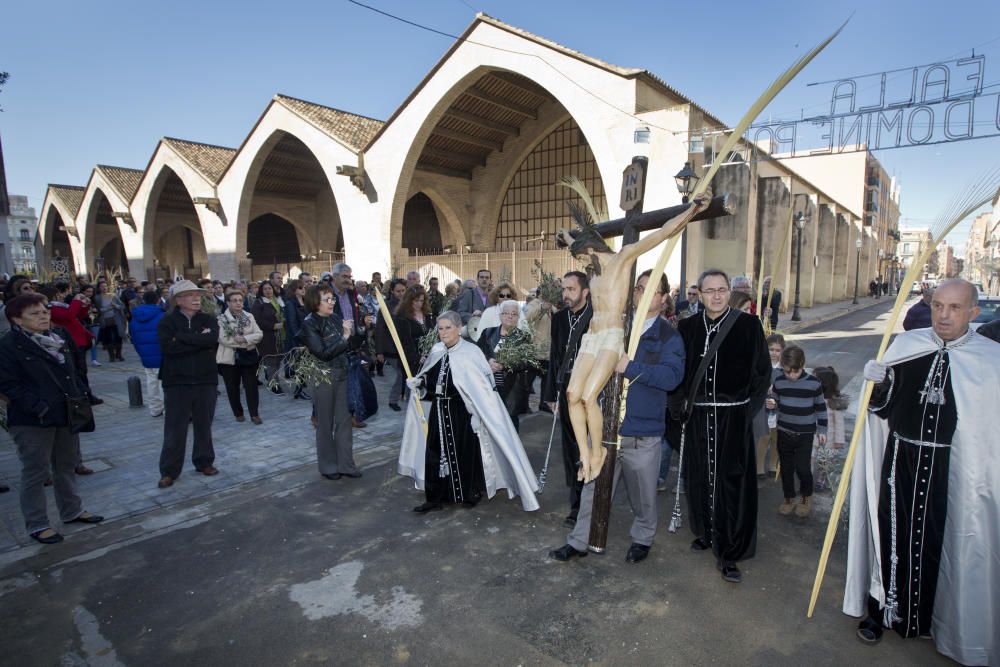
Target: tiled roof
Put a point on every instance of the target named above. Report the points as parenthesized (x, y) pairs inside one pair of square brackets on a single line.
[(125, 181), (209, 161), (354, 130), (622, 71), (71, 196)]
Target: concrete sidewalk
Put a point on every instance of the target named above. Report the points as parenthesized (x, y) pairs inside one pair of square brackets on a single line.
[(125, 449), (824, 312)]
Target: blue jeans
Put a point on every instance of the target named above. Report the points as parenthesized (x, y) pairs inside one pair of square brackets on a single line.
[(93, 344), (666, 453)]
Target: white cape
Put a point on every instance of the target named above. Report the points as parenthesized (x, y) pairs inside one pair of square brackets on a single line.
[(966, 619), (505, 464)]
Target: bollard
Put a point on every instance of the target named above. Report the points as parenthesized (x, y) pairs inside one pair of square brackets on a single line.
[(134, 392)]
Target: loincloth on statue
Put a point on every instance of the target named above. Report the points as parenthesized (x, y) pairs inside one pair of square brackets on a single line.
[(612, 340)]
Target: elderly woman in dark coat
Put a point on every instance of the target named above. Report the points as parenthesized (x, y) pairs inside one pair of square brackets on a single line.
[(295, 312), (37, 373), (268, 312), (509, 381)]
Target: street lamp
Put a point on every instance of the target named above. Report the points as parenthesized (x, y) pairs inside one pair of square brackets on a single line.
[(686, 180), (857, 270), (800, 224)]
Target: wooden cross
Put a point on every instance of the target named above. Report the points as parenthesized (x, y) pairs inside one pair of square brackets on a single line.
[(635, 221)]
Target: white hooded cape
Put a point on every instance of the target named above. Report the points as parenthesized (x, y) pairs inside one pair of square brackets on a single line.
[(505, 464), (966, 619)]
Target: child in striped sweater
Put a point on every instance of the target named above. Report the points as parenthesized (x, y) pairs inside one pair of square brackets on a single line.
[(798, 398)]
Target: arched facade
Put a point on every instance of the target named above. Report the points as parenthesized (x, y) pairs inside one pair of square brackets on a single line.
[(288, 166), (105, 221), (173, 236), (57, 235), (189, 171), (287, 181)]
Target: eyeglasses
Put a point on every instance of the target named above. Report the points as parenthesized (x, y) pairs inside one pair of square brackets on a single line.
[(717, 290), (642, 288), (328, 299)]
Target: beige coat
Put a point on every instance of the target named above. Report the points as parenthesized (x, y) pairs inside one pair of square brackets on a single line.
[(226, 353)]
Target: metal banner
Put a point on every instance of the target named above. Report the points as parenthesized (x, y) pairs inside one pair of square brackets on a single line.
[(916, 106)]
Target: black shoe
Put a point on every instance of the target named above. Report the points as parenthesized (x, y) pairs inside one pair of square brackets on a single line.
[(93, 400), (89, 518), (428, 507), (565, 553), (278, 391), (395, 407), (700, 544), (333, 475), (54, 538), (4, 488), (636, 553), (469, 504), (304, 395), (731, 573), (352, 475), (869, 631), (544, 408), (570, 521)]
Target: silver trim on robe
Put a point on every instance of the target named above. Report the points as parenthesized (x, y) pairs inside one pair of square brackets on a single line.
[(966, 620)]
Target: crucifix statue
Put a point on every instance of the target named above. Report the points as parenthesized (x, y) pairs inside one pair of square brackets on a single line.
[(595, 422)]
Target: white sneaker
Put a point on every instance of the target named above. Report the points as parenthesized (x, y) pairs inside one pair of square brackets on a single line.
[(95, 362)]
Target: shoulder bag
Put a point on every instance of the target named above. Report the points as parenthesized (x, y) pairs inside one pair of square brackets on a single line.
[(79, 413)]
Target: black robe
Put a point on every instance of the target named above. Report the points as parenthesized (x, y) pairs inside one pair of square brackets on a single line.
[(450, 437), (567, 329), (719, 458), (920, 472)]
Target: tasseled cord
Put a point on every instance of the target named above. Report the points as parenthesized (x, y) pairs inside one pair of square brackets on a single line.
[(675, 517)]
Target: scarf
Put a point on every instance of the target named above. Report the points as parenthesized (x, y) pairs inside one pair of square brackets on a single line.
[(49, 342)]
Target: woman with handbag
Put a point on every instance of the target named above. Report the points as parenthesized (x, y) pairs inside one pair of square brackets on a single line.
[(112, 321), (47, 408), (268, 311), (238, 357)]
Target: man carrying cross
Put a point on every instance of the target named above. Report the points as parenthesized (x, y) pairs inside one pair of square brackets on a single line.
[(658, 367)]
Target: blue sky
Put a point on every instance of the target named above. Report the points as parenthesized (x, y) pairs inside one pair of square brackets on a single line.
[(102, 82)]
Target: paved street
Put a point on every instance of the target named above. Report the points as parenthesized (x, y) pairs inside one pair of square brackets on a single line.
[(269, 564)]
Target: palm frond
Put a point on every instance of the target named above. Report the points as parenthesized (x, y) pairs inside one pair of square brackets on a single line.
[(577, 186)]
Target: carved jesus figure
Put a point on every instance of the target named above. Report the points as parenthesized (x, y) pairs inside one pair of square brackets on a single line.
[(602, 347)]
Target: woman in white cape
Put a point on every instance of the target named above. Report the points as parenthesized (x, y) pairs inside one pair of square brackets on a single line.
[(470, 445)]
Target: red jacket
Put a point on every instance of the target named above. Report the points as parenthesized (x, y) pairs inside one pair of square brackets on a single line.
[(70, 317)]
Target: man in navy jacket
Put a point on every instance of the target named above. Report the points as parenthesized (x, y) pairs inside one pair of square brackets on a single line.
[(658, 367)]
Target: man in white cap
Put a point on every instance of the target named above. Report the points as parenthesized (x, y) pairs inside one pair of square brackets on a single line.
[(188, 340)]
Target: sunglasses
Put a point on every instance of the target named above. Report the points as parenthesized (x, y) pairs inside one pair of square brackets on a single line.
[(506, 295)]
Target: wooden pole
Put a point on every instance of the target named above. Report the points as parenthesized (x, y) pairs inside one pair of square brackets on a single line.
[(384, 310)]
